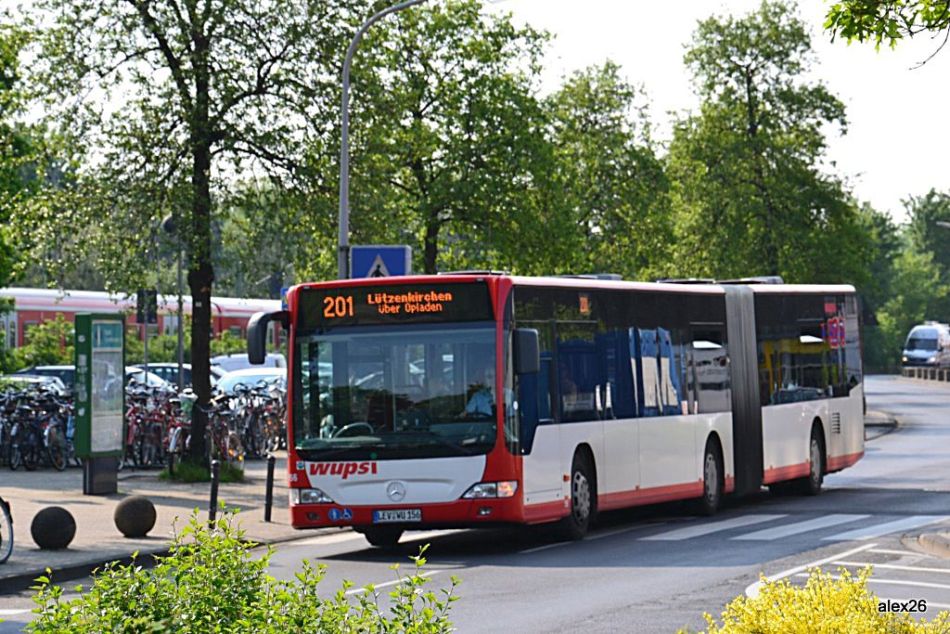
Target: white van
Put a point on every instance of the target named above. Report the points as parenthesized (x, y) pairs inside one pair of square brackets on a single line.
[(238, 361), (927, 345)]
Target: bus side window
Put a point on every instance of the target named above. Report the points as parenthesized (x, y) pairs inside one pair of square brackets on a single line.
[(647, 352)]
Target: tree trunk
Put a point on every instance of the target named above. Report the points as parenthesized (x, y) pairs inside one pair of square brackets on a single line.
[(201, 270), (431, 245), (770, 241)]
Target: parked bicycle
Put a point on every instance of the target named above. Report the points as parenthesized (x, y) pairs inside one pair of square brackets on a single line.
[(6, 531)]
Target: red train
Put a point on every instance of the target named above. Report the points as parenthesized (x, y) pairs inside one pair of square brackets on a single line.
[(36, 305)]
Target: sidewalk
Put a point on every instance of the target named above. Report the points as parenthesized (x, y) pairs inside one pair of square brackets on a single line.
[(98, 541)]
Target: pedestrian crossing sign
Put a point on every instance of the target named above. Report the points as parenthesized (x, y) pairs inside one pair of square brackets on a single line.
[(380, 260)]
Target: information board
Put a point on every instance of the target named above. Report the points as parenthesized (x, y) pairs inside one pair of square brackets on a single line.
[(100, 385)]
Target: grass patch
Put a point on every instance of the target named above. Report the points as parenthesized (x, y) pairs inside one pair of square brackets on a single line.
[(191, 472)]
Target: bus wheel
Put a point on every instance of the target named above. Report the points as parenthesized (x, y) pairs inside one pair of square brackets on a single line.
[(712, 480), (583, 500), (383, 537), (816, 458)]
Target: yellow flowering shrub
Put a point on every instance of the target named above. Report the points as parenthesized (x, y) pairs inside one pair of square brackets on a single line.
[(825, 605)]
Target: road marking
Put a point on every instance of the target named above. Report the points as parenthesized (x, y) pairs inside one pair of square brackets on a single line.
[(892, 566), (869, 532), (377, 586), (336, 538), (893, 582), (752, 590), (545, 547), (324, 540), (619, 531), (801, 527), (13, 612), (414, 537), (712, 527), (888, 551)]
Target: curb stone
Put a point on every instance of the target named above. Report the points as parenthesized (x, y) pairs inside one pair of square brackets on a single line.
[(145, 557)]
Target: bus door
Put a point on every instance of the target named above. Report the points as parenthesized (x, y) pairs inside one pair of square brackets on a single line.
[(582, 391), (666, 435), (621, 468), (539, 436)]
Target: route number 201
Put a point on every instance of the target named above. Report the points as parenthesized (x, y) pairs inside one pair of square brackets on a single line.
[(336, 307)]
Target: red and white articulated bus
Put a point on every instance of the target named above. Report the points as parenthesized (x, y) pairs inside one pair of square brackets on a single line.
[(473, 399)]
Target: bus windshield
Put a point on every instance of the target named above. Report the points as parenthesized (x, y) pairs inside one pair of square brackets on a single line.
[(377, 392)]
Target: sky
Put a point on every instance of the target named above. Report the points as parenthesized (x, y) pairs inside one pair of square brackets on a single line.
[(898, 132)]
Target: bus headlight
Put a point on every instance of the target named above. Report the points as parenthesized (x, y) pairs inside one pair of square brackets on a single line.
[(932, 359), (505, 489), (309, 496)]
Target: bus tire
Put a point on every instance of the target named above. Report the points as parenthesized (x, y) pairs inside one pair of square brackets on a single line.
[(382, 536), (709, 503), (583, 499), (811, 485)]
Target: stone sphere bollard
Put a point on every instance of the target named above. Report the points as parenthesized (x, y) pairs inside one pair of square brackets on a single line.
[(135, 516), (53, 528)]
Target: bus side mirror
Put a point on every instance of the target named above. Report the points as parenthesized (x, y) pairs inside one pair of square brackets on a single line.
[(257, 333), (526, 351)]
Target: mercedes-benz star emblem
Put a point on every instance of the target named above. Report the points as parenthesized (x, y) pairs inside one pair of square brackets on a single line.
[(396, 491)]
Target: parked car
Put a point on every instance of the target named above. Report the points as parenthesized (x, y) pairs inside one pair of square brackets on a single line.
[(150, 379), (19, 380), (239, 361), (927, 344), (65, 373), (169, 372), (251, 377)]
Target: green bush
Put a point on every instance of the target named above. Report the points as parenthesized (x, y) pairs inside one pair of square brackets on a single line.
[(187, 471), (824, 604), (211, 581)]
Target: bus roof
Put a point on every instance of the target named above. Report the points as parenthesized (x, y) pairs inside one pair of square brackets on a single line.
[(585, 282)]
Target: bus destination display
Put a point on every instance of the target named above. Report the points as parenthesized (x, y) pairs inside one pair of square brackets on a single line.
[(322, 308)]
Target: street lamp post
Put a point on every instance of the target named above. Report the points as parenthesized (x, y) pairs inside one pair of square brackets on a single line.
[(343, 256), (170, 227)]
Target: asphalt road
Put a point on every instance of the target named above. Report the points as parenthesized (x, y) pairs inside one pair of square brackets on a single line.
[(659, 568)]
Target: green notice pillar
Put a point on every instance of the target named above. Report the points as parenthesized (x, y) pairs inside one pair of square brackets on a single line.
[(100, 399)]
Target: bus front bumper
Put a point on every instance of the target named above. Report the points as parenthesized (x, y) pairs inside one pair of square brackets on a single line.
[(459, 514)]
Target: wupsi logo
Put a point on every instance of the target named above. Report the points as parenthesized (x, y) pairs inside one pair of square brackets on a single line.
[(342, 469)]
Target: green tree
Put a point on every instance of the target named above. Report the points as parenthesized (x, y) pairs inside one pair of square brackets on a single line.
[(169, 99), (927, 237), (749, 188), (264, 232), (609, 207), (915, 290), (887, 21), (18, 145), (446, 134), (886, 244)]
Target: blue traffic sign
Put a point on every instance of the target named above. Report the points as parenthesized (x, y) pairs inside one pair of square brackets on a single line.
[(377, 260)]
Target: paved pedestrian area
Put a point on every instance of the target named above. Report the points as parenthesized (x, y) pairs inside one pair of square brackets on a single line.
[(98, 540)]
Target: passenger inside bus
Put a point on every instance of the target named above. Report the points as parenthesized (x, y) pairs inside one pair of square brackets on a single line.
[(482, 400)]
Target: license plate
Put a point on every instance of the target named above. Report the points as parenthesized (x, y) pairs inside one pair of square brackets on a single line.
[(397, 515)]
